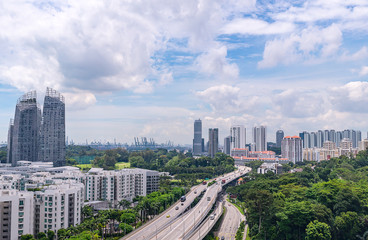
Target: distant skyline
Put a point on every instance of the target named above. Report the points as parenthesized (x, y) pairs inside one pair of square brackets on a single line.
[(134, 69)]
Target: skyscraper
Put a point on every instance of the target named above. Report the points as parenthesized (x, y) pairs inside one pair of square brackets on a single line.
[(238, 136), (292, 149), (227, 145), (279, 137), (10, 141), (52, 141), (198, 142), (26, 130), (212, 142), (259, 138)]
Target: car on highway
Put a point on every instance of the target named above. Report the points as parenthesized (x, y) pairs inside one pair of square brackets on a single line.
[(167, 216), (176, 208), (182, 204), (212, 217), (195, 192), (222, 238)]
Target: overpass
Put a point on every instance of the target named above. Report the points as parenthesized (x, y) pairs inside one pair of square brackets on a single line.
[(175, 224)]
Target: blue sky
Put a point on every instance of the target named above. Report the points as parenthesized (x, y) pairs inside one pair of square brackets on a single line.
[(136, 68)]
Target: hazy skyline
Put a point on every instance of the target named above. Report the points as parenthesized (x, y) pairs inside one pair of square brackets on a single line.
[(150, 68)]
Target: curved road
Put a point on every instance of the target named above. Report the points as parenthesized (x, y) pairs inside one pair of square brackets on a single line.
[(231, 222)]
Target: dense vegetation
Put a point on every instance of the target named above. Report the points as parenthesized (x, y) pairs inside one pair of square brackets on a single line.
[(3, 152), (184, 166), (326, 201), (115, 223)]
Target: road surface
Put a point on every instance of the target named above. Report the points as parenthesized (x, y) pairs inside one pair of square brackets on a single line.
[(231, 222)]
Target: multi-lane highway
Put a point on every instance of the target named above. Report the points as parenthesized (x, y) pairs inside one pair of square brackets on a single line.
[(164, 219), (231, 222), (170, 226)]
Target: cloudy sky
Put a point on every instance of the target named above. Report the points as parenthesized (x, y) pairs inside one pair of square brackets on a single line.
[(150, 68)]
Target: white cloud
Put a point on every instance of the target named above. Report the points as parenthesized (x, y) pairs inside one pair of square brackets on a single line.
[(299, 104), (351, 97), (214, 62), (105, 46), (363, 71), (221, 97), (256, 27), (358, 55), (310, 44)]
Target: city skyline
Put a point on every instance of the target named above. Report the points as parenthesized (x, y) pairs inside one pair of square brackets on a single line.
[(154, 72)]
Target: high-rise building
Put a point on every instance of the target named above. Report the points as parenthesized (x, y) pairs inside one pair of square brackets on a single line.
[(10, 141), (227, 145), (313, 139), (291, 148), (279, 137), (332, 136), (259, 138), (338, 139), (326, 135), (238, 136), (52, 142), (306, 139), (320, 139), (16, 214), (212, 142), (198, 142), (26, 130)]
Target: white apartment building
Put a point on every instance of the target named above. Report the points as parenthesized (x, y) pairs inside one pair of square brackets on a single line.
[(238, 136), (16, 214), (58, 206), (292, 149), (114, 186)]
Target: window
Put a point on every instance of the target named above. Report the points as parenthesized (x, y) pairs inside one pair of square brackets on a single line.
[(21, 202)]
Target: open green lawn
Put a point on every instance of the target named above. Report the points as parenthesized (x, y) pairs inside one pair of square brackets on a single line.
[(118, 166), (121, 165), (84, 166)]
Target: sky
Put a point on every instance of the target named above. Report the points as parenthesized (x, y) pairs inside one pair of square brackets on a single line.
[(150, 68)]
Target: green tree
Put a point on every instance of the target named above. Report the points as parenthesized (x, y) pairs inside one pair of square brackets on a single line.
[(126, 228), (27, 237), (87, 211), (50, 235), (128, 218), (62, 234), (317, 231), (41, 235)]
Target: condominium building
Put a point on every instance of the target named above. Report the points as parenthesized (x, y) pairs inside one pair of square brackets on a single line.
[(292, 149), (52, 141), (198, 141), (363, 145), (259, 138), (212, 142), (279, 137), (238, 136), (114, 186), (35, 137), (227, 145), (58, 206), (24, 133), (16, 214)]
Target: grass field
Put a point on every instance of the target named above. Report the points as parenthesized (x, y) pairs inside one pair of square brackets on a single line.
[(118, 166), (84, 166), (121, 165)]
